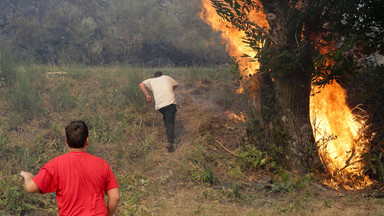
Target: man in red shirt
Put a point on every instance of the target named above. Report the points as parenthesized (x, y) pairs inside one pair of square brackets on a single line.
[(79, 179)]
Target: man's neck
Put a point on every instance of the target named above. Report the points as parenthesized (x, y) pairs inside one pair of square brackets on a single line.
[(77, 150)]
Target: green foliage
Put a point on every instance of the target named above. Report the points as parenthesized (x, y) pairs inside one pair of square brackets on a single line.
[(100, 129), (130, 90), (204, 176), (233, 192), (269, 138), (66, 58), (137, 32), (237, 12), (285, 181), (3, 136), (252, 158), (202, 162), (10, 196), (342, 64), (62, 99), (132, 190)]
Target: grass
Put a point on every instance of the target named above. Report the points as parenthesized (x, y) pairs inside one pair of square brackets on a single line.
[(200, 178), (44, 98)]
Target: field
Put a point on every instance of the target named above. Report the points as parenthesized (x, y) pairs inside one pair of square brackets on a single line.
[(208, 174)]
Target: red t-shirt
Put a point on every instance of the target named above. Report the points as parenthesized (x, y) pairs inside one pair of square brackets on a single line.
[(80, 181)]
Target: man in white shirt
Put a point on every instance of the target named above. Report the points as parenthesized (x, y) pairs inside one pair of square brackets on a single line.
[(163, 87)]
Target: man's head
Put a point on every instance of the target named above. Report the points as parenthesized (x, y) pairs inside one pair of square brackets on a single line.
[(76, 134), (158, 74)]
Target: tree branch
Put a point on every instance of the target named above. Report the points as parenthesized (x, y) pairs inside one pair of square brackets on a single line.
[(226, 149), (262, 30)]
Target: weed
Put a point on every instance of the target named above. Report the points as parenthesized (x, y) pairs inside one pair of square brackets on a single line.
[(11, 195), (236, 172), (233, 192), (100, 129), (205, 176), (236, 190), (3, 137), (62, 99), (132, 192), (130, 89), (285, 181), (252, 158), (328, 203), (201, 162)]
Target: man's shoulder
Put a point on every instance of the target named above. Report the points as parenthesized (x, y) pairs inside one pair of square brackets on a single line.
[(148, 81), (77, 155), (166, 77), (96, 157), (98, 160), (57, 158)]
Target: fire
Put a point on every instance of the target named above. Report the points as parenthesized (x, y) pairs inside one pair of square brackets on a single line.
[(339, 135), (237, 118), (337, 131), (234, 38)]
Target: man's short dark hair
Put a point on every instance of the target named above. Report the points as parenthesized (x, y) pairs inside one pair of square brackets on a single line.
[(158, 74), (76, 133)]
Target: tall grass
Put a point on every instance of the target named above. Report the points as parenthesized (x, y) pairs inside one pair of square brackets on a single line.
[(130, 90), (62, 99), (25, 96), (7, 66)]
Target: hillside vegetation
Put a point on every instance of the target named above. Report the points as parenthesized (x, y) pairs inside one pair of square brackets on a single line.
[(215, 169), (96, 32)]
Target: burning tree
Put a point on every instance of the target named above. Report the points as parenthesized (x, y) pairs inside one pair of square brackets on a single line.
[(303, 49)]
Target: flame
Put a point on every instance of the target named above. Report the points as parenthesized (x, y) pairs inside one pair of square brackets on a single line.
[(237, 118), (336, 130), (339, 135), (233, 38)]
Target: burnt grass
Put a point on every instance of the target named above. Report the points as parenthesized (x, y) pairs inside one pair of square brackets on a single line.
[(208, 174)]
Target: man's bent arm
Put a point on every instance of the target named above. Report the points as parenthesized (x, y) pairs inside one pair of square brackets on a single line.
[(144, 90), (30, 185), (113, 200), (175, 86)]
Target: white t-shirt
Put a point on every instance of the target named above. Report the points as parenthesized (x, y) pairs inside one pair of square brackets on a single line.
[(162, 88)]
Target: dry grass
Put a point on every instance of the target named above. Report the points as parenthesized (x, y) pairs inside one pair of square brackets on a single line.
[(129, 134)]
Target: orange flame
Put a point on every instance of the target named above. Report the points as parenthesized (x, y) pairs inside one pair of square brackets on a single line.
[(337, 131), (233, 38), (237, 118), (339, 135)]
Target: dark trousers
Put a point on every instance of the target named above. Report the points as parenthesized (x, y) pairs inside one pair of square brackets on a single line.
[(169, 115)]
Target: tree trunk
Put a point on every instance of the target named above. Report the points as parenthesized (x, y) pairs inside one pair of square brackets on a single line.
[(292, 83), (292, 95)]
